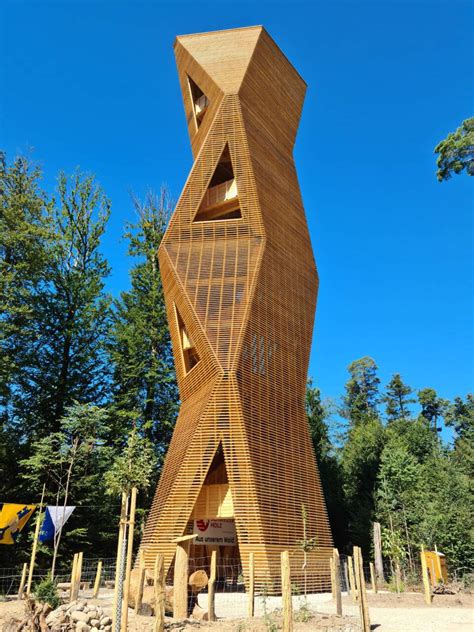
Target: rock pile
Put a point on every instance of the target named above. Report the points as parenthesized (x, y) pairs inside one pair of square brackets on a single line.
[(78, 616)]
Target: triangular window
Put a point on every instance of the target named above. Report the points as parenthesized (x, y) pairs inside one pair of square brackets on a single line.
[(221, 200), (190, 354), (200, 102)]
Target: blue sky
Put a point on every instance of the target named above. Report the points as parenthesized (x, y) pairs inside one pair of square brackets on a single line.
[(94, 84)]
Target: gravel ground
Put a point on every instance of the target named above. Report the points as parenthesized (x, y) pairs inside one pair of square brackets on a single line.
[(388, 613)]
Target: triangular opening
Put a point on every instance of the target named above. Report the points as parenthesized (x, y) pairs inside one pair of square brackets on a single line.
[(200, 101), (189, 352), (221, 200)]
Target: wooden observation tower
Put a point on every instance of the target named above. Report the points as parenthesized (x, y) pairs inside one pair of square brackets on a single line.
[(240, 283)]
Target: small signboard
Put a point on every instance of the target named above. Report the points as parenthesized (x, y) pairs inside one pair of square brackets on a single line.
[(215, 532)]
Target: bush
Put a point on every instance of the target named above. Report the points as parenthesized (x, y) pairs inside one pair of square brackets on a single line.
[(47, 592)]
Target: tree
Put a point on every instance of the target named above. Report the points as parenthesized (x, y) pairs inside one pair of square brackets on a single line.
[(71, 311), (397, 398), (460, 416), (330, 471), (145, 390), (361, 398), (64, 457), (23, 238), (432, 407), (456, 152), (360, 460)]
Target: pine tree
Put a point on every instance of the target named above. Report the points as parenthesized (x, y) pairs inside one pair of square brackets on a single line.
[(397, 399), (70, 311), (361, 398), (145, 390), (432, 407)]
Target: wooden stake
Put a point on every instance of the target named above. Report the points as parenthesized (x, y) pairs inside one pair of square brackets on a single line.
[(378, 551), (337, 581), (426, 581), (352, 579), (251, 604), (128, 571), (159, 578), (73, 577), (121, 535), (333, 577), (35, 543), (141, 584), (23, 580), (97, 580), (286, 592), (77, 582), (361, 590), (373, 579), (211, 610), (346, 577), (180, 591)]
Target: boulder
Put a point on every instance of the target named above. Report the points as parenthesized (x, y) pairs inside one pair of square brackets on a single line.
[(79, 615)]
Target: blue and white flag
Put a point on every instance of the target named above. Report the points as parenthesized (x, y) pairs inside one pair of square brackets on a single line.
[(54, 520)]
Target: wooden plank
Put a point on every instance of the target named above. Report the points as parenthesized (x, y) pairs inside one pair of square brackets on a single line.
[(97, 580), (159, 584), (287, 608)]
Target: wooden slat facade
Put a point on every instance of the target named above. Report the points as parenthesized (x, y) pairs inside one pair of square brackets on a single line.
[(244, 291)]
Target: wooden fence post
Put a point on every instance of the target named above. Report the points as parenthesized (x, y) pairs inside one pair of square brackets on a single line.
[(159, 585), (373, 579), (426, 581), (180, 587), (35, 543), (251, 604), (95, 594), (73, 577), (361, 591), (77, 579), (211, 587), (141, 582), (378, 551), (23, 580), (333, 577), (286, 592), (337, 581), (346, 578), (352, 579)]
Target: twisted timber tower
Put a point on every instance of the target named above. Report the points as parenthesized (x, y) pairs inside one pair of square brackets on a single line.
[(240, 284)]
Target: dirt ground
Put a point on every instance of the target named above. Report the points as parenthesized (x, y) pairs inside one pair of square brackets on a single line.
[(389, 612)]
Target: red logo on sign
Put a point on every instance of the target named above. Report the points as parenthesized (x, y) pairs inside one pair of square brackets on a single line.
[(202, 525)]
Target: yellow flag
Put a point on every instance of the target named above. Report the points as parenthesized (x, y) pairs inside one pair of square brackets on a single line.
[(12, 520)]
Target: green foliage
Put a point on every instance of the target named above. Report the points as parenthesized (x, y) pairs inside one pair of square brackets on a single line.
[(456, 152), (432, 407), (133, 467), (397, 399), (145, 390), (362, 395), (46, 591)]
